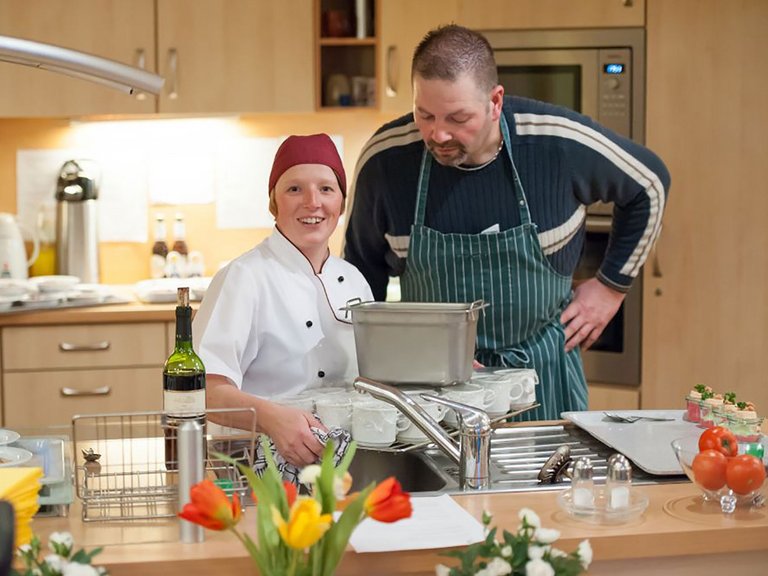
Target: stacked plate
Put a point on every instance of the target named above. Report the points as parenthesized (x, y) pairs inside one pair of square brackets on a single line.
[(12, 456)]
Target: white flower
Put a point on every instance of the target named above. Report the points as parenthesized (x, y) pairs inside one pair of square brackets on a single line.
[(442, 570), (341, 485), (498, 567), (309, 474), (25, 549), (61, 543), (546, 535), (557, 553), (506, 552), (536, 552), (585, 553), (75, 569), (530, 517), (539, 568), (56, 562)]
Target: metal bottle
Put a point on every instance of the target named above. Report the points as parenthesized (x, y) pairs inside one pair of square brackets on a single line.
[(77, 239)]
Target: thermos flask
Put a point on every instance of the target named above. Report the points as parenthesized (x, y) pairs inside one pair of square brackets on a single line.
[(77, 238)]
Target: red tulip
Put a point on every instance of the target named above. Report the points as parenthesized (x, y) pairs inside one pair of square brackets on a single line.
[(290, 492), (210, 507), (387, 502)]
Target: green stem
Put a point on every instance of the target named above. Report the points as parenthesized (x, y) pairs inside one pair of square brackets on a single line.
[(294, 561)]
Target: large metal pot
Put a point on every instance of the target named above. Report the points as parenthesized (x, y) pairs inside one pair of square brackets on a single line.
[(421, 343)]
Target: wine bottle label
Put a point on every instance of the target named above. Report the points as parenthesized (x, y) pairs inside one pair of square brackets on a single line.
[(184, 402)]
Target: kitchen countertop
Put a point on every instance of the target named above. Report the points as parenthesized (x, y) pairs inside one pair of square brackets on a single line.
[(676, 535), (105, 313)]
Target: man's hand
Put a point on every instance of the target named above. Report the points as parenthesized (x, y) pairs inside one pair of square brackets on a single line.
[(585, 318)]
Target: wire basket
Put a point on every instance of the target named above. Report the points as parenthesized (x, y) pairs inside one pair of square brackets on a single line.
[(126, 468)]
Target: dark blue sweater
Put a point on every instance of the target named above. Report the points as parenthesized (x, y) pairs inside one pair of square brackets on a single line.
[(565, 161)]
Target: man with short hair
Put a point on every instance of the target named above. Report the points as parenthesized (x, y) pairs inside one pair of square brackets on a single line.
[(480, 195)]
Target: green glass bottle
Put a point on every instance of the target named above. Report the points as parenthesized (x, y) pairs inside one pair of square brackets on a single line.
[(183, 381)]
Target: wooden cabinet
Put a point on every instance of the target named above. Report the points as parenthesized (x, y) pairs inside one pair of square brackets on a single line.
[(512, 14), (346, 45), (612, 397), (218, 56), (235, 55), (51, 373), (403, 24), (705, 314), (114, 29)]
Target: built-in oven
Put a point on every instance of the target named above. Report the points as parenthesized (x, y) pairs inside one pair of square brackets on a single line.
[(599, 73)]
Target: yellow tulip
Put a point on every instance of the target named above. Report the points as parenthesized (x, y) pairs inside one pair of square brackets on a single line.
[(305, 524)]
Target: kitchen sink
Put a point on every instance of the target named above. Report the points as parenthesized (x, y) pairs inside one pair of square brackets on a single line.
[(517, 456), (417, 471)]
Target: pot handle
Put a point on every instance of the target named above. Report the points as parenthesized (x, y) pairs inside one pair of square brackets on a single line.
[(35, 245), (351, 303)]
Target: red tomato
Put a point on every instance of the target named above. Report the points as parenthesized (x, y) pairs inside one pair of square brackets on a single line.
[(745, 473), (720, 439), (709, 469)]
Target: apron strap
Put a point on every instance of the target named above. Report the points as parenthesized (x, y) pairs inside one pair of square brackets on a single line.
[(525, 213)]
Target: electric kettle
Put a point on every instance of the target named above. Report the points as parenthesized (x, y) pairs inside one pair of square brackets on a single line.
[(13, 254)]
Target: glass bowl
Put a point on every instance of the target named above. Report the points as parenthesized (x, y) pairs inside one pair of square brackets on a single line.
[(686, 450)]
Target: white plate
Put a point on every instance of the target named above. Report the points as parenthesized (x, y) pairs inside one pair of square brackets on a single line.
[(48, 454), (8, 436), (160, 290), (55, 283), (11, 287), (11, 456), (648, 444)]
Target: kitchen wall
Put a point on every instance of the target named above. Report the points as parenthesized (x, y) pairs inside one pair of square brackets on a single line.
[(123, 262)]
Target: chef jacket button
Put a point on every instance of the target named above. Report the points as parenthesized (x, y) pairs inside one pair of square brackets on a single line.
[(309, 323), (340, 278), (321, 374)]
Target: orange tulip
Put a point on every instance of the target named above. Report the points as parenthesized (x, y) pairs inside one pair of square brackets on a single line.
[(210, 507), (290, 492), (388, 503)]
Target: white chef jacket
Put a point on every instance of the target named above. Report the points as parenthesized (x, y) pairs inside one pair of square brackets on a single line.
[(273, 326)]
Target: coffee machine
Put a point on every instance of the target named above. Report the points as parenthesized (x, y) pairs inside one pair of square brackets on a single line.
[(77, 238)]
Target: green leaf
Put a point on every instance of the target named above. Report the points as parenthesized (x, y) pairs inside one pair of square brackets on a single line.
[(346, 460), (326, 480), (337, 537)]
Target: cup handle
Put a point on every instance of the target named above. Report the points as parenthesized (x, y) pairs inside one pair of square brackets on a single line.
[(402, 423), (441, 412)]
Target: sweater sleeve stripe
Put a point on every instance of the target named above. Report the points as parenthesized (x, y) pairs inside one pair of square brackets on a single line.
[(397, 136), (553, 240), (549, 125)]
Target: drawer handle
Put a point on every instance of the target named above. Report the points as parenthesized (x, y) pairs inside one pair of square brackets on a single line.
[(68, 392), (68, 347)]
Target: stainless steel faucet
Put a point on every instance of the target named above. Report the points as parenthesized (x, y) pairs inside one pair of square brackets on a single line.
[(473, 452)]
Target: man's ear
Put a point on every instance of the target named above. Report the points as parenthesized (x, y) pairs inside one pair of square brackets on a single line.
[(497, 101)]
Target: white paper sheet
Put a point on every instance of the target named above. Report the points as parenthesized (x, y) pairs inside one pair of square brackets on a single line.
[(122, 202), (437, 522)]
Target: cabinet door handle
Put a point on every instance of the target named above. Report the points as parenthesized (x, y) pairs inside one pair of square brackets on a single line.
[(173, 74), (140, 61), (393, 71), (99, 346), (69, 392)]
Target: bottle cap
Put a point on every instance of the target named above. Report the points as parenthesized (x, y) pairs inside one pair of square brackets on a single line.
[(582, 470), (183, 296), (619, 468)]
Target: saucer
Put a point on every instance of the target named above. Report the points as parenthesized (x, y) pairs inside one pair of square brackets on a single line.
[(55, 283), (8, 436), (10, 456), (373, 444)]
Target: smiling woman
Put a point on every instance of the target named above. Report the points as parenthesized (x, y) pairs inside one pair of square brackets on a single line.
[(270, 325)]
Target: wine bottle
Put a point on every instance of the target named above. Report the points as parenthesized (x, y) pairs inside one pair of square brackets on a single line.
[(183, 381), (159, 249)]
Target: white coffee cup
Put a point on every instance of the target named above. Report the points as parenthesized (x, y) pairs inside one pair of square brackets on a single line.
[(528, 378), (470, 394), (303, 401), (335, 410), (411, 434), (375, 423)]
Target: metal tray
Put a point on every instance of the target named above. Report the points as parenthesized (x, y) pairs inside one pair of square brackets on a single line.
[(423, 343)]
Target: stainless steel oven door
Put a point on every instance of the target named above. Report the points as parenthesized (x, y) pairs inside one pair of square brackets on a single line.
[(615, 357)]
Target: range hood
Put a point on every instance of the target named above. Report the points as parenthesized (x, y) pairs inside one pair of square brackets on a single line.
[(80, 65)]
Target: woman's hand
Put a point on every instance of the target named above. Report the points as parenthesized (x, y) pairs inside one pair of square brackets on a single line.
[(289, 429)]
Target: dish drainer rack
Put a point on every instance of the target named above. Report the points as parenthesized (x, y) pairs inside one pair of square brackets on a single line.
[(452, 432), (121, 470)]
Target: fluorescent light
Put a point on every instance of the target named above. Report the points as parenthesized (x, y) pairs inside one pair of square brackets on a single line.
[(80, 65)]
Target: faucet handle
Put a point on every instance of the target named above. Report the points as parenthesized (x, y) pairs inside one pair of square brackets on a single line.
[(471, 416)]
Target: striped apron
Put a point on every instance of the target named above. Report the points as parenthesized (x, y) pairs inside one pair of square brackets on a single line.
[(521, 328)]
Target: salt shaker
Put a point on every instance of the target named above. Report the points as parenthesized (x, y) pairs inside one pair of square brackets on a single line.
[(618, 482), (582, 484)]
